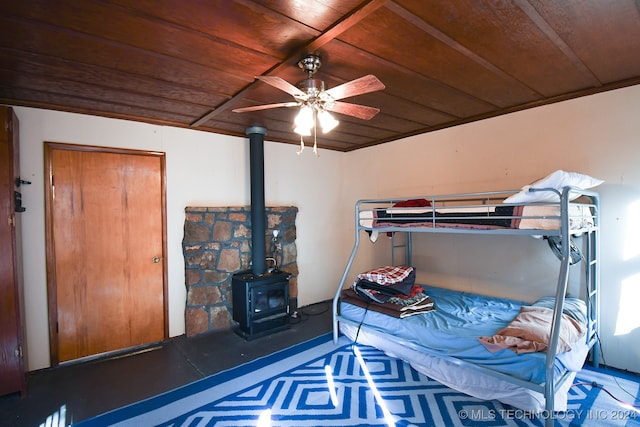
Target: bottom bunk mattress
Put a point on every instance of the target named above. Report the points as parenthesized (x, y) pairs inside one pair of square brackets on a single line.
[(453, 329)]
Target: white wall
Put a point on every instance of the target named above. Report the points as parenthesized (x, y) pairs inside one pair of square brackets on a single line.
[(203, 169), (597, 135)]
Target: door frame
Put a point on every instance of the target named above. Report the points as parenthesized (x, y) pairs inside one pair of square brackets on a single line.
[(49, 147)]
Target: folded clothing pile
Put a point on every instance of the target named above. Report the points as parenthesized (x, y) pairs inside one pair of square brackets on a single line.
[(382, 283), (390, 290)]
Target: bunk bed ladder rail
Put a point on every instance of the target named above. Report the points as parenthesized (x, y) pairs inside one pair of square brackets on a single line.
[(592, 274), (561, 289), (592, 297), (347, 269), (405, 243)]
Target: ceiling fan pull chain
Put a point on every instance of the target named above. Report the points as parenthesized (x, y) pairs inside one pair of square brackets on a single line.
[(301, 146), (315, 141)]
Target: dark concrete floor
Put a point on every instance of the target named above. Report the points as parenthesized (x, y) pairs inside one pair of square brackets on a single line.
[(93, 387)]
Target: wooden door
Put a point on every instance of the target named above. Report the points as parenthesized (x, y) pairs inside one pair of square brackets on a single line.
[(105, 228), (12, 377)]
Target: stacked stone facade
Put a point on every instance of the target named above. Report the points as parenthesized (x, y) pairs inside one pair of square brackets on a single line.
[(217, 244)]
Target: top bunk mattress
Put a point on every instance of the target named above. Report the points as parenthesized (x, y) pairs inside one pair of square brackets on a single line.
[(453, 328), (517, 217), (543, 205)]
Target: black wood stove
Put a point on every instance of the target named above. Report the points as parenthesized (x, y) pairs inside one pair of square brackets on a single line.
[(260, 297), (260, 303)]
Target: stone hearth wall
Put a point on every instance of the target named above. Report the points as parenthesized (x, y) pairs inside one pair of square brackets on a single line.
[(217, 244)]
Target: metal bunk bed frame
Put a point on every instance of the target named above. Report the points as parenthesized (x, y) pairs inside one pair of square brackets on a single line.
[(591, 277)]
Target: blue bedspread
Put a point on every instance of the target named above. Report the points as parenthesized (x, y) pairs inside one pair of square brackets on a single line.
[(454, 326)]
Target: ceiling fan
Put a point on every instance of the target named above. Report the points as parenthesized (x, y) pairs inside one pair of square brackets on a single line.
[(315, 101)]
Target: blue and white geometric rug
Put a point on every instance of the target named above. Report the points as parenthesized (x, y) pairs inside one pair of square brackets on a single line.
[(319, 384)]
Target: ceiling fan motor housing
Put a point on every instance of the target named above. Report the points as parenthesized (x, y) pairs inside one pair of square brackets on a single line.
[(312, 87)]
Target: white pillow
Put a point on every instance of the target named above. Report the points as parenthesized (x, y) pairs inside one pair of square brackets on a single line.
[(557, 180)]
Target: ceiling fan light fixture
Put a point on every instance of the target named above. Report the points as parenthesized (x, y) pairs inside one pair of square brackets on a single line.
[(302, 131), (304, 121), (315, 101), (327, 121)]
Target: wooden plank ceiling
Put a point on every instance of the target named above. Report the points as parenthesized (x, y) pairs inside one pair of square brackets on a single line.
[(189, 63)]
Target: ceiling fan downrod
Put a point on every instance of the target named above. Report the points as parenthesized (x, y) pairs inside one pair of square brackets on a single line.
[(310, 86)]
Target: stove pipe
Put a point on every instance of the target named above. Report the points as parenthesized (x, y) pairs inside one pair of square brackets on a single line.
[(258, 210)]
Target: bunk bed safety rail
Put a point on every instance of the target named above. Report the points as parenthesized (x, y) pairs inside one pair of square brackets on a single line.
[(474, 212)]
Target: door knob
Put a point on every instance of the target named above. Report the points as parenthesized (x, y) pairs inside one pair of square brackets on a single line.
[(155, 259)]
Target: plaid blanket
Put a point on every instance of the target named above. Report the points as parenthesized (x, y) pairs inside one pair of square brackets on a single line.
[(382, 283), (386, 275)]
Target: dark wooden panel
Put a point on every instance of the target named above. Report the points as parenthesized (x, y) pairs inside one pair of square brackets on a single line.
[(604, 35), (97, 93), (55, 68), (399, 107), (408, 84), (12, 369), (262, 29), (274, 120), (45, 41), (38, 99), (508, 40), (138, 32), (443, 63), (318, 14), (413, 48)]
